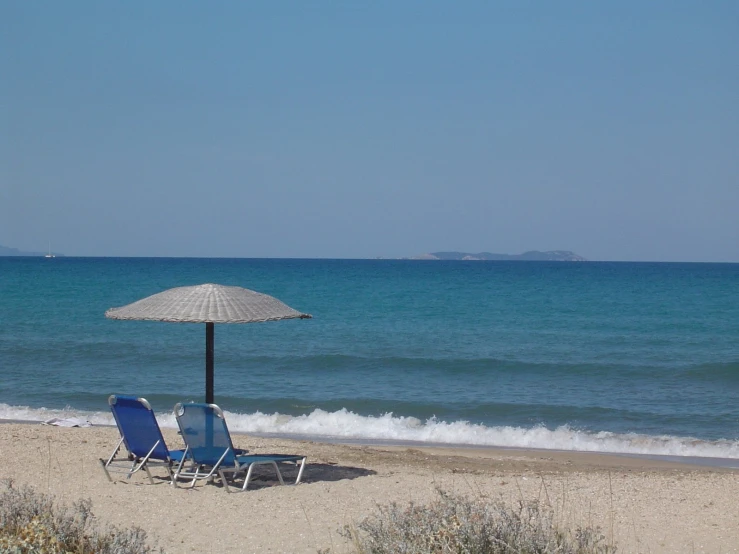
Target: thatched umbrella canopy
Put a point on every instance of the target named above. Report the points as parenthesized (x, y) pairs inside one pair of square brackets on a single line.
[(207, 304)]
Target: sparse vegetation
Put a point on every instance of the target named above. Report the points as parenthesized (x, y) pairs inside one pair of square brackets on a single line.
[(454, 524), (31, 522)]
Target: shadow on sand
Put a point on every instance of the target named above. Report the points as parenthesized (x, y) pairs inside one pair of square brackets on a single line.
[(265, 477), (313, 473)]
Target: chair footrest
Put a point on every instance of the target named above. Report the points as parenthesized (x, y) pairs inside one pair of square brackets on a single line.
[(267, 459)]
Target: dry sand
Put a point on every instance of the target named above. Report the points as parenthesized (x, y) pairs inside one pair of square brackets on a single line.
[(643, 505)]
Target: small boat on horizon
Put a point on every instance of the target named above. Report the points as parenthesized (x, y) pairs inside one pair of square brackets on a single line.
[(49, 254)]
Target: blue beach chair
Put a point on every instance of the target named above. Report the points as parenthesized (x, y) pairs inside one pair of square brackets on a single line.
[(141, 436), (211, 450)]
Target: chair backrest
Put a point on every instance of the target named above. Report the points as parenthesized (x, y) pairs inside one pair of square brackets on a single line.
[(138, 426), (205, 432)]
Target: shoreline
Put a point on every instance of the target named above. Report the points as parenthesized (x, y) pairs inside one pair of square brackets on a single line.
[(347, 427), (594, 458), (643, 505)]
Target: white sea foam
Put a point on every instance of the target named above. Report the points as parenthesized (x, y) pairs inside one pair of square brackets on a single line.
[(347, 425), (24, 413)]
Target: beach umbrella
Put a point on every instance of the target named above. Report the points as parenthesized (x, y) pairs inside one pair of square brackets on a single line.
[(207, 304)]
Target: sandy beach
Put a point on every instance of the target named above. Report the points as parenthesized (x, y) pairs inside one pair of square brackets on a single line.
[(641, 505)]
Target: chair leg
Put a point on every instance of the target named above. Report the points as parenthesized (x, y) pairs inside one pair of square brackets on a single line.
[(169, 471), (113, 455), (192, 484), (279, 475), (105, 469), (132, 470), (148, 473), (300, 471), (223, 480), (106, 463), (178, 470), (248, 477)]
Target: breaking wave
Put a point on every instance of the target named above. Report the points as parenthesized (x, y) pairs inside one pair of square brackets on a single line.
[(345, 425)]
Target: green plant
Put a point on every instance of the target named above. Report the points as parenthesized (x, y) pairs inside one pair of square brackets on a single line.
[(31, 522), (454, 524)]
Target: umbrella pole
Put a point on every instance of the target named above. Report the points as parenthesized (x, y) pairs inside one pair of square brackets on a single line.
[(209, 341)]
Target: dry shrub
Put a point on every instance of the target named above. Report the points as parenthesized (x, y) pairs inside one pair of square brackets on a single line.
[(31, 522), (454, 524)]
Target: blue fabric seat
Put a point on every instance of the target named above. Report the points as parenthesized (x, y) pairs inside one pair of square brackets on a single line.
[(211, 451), (142, 438)]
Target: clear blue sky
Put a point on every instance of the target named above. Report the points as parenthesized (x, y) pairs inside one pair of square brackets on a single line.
[(347, 129)]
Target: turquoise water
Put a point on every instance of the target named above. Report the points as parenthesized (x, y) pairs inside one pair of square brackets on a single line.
[(622, 357)]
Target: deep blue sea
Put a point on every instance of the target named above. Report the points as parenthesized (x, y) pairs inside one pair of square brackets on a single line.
[(618, 357)]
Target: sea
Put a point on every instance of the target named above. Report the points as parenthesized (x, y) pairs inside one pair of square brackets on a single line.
[(630, 358)]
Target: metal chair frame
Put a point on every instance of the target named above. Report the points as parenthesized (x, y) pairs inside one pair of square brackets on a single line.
[(235, 465)]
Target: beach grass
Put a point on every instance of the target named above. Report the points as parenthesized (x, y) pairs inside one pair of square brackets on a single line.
[(453, 524), (31, 522)]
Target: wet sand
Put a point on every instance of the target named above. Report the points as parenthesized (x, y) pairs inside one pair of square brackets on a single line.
[(641, 504)]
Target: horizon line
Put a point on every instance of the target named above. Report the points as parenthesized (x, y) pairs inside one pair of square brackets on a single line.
[(377, 258)]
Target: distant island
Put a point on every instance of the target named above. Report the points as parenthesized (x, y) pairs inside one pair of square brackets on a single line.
[(530, 256), (7, 251)]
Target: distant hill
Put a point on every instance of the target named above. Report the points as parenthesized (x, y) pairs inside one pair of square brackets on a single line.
[(532, 255), (7, 251)]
